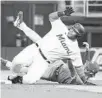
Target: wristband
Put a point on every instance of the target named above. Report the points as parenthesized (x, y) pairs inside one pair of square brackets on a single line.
[(61, 13)]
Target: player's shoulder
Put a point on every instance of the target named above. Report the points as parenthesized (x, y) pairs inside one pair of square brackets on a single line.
[(58, 20)]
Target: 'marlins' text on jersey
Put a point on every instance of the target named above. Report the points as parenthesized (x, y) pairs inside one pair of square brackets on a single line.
[(62, 40)]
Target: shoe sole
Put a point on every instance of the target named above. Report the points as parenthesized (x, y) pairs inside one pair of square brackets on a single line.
[(20, 15), (19, 19)]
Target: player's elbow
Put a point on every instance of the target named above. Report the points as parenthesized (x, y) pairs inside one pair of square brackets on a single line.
[(50, 17), (53, 16)]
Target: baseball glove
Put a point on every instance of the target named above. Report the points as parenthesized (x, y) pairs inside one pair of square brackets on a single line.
[(68, 11)]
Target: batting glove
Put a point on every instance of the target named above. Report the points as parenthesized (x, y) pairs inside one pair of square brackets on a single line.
[(68, 11)]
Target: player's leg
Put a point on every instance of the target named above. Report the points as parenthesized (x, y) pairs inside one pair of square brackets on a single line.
[(58, 72), (67, 75), (64, 75), (36, 70), (51, 72), (19, 23), (24, 58)]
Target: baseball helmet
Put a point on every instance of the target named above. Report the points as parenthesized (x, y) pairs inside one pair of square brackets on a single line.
[(91, 68), (79, 29)]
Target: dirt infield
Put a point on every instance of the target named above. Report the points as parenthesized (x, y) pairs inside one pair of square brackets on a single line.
[(49, 91)]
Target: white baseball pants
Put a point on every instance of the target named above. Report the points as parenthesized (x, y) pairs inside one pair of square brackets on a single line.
[(38, 65)]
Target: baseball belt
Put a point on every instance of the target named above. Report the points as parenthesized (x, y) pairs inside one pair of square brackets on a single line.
[(42, 54)]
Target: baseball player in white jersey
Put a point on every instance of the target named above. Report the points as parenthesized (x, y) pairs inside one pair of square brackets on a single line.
[(50, 74), (59, 43)]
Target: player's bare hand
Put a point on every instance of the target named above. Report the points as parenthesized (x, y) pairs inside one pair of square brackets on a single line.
[(68, 11)]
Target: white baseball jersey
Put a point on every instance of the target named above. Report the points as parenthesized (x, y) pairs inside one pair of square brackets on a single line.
[(56, 45)]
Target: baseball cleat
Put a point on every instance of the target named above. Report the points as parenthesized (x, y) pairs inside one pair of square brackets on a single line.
[(19, 19)]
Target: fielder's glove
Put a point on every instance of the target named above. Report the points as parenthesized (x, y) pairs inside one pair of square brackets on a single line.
[(16, 80), (68, 11)]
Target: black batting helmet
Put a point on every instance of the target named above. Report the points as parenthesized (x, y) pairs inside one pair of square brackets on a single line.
[(79, 29)]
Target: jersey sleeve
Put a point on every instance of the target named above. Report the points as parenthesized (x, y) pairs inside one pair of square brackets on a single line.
[(58, 22)]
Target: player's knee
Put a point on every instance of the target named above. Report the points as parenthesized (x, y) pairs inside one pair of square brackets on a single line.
[(16, 60), (15, 65), (28, 80), (16, 68)]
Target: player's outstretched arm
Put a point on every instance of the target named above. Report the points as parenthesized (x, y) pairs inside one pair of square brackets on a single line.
[(55, 15)]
